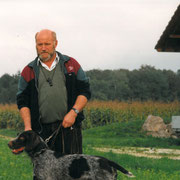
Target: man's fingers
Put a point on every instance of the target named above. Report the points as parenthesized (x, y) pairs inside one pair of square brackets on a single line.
[(68, 121), (65, 124)]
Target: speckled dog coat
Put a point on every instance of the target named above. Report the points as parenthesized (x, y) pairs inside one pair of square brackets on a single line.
[(49, 165)]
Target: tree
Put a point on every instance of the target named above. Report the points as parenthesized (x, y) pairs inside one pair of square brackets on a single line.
[(147, 83), (8, 88)]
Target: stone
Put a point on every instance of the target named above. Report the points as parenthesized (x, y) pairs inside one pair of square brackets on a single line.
[(155, 126)]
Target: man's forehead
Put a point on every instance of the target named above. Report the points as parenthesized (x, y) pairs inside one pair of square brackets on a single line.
[(45, 34)]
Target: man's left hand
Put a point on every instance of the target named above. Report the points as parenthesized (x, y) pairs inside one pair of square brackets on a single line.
[(69, 119)]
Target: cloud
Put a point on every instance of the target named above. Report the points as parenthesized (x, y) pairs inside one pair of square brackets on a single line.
[(98, 33)]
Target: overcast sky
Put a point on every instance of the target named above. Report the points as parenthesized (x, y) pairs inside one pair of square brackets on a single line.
[(103, 34)]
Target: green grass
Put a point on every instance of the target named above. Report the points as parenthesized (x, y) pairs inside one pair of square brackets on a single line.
[(17, 167), (9, 132), (13, 167), (125, 134), (143, 168)]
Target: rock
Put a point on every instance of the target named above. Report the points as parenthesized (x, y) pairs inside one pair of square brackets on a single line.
[(155, 126)]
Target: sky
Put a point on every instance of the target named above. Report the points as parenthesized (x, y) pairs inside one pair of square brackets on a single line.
[(99, 34)]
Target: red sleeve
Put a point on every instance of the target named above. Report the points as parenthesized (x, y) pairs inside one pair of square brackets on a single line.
[(28, 74), (72, 66)]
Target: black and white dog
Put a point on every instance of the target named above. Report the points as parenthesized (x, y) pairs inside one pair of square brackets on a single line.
[(49, 165)]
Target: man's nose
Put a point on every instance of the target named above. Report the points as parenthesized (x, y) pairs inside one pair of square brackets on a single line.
[(43, 47)]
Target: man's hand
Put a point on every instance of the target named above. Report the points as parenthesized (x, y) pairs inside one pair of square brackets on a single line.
[(27, 129), (69, 119)]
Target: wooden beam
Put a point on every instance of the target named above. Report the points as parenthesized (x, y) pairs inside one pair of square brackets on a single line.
[(168, 50), (159, 49), (177, 36)]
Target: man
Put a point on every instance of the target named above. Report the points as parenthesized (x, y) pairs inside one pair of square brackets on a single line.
[(52, 92)]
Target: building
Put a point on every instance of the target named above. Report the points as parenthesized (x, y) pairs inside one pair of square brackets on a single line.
[(170, 39)]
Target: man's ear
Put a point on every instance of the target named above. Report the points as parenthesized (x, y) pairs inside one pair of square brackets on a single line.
[(55, 43)]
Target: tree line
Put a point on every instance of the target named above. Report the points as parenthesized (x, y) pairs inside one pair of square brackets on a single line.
[(145, 83)]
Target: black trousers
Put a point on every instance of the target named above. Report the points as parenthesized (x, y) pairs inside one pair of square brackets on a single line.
[(67, 141)]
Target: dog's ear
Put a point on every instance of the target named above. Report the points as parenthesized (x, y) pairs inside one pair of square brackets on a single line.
[(32, 140), (26, 134)]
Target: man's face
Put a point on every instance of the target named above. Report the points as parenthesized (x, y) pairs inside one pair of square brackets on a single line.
[(45, 46)]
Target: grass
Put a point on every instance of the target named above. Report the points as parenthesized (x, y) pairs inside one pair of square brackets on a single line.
[(8, 132), (13, 167), (129, 134), (125, 134), (114, 135), (144, 168)]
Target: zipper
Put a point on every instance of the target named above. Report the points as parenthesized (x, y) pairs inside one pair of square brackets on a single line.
[(39, 119)]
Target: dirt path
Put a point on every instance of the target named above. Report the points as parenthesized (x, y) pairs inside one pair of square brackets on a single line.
[(6, 137), (136, 151), (145, 152)]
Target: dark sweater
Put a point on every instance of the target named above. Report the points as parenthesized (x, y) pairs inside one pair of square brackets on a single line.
[(52, 97)]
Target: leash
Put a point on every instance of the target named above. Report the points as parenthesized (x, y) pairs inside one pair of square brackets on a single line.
[(54, 135), (74, 140)]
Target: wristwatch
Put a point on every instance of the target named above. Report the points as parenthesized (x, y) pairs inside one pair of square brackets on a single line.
[(75, 110)]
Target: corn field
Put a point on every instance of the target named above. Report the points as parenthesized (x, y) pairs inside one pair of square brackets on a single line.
[(98, 113), (9, 117)]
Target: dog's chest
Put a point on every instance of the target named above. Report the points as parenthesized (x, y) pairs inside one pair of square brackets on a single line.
[(46, 165)]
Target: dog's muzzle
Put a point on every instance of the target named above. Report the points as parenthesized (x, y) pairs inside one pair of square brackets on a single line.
[(15, 150)]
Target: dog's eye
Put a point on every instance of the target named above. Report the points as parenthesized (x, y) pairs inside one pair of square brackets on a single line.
[(21, 138)]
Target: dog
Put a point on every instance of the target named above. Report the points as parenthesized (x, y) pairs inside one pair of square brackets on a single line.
[(50, 165)]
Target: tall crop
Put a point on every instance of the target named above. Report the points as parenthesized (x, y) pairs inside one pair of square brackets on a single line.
[(9, 117), (98, 113)]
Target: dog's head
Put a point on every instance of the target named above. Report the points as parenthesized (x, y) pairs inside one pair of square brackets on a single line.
[(27, 140)]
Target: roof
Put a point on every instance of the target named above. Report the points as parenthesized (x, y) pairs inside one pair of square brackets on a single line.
[(170, 39)]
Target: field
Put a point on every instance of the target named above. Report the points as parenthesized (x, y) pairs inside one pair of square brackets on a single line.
[(100, 113), (113, 129)]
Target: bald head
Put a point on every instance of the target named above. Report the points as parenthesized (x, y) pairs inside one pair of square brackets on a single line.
[(46, 33), (45, 45)]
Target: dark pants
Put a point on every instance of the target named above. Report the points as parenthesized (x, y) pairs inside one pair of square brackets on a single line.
[(67, 141)]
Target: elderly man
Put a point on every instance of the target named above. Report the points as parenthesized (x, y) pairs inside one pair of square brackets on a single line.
[(52, 92)]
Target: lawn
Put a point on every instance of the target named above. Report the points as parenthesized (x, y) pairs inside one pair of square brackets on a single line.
[(125, 134), (17, 167)]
